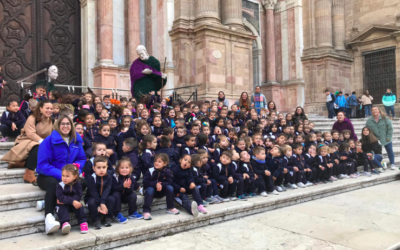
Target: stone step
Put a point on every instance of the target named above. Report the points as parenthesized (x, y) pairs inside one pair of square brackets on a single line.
[(5, 147), (352, 120), (165, 224), (357, 128), (19, 196), (11, 176)]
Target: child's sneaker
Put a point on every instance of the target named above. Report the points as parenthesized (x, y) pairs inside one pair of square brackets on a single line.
[(226, 199), (172, 211), (384, 165), (288, 185), (232, 198), (242, 198), (194, 206), (97, 225), (120, 218), (340, 176), (278, 188), (374, 171), (293, 186), (219, 198), (346, 176), (254, 195), (209, 200), (107, 222), (300, 185), (365, 173), (4, 139), (273, 192), (147, 216), (141, 191), (264, 194), (353, 176), (216, 200), (201, 209), (205, 203), (84, 228), (381, 170), (283, 188), (66, 228), (309, 184), (136, 216), (40, 205), (333, 178)]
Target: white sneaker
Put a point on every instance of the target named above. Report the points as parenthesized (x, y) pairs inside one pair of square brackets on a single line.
[(141, 191), (300, 185), (274, 192), (309, 184), (384, 165), (346, 176), (40, 205), (264, 194), (279, 189), (380, 170), (293, 186), (51, 224), (393, 167), (366, 173)]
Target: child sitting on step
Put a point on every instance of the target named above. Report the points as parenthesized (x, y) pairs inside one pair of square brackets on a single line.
[(12, 121)]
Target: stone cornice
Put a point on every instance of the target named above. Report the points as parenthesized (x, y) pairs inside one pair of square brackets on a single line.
[(269, 4), (315, 56)]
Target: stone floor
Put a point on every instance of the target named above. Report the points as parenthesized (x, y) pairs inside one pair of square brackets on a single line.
[(363, 219)]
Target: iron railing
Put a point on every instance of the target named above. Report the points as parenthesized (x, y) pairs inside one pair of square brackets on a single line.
[(177, 96)]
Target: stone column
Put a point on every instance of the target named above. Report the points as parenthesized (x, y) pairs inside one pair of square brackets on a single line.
[(105, 35), (232, 13), (207, 11), (323, 20), (133, 28), (270, 40), (338, 24)]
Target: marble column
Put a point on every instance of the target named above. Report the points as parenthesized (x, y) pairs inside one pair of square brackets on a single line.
[(338, 24), (133, 28), (270, 40), (105, 35), (323, 20), (232, 13), (207, 11)]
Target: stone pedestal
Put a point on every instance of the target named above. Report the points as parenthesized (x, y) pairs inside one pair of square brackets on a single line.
[(113, 78)]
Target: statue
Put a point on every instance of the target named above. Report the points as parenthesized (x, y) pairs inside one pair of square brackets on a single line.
[(145, 74), (52, 74)]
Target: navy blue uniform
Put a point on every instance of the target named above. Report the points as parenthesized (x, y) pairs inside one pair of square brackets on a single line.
[(124, 195), (7, 119), (67, 194), (99, 192)]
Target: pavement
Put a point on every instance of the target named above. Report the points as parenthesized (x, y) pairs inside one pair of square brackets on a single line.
[(364, 219)]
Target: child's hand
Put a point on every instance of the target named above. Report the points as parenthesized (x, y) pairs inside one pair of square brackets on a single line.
[(321, 167), (296, 169), (274, 178), (267, 173), (212, 160), (77, 204), (246, 176), (109, 151), (211, 150), (337, 161), (196, 148), (343, 158), (13, 127), (182, 190), (59, 202), (285, 170), (255, 176), (103, 209), (208, 182), (179, 145), (230, 180), (127, 183), (192, 185), (159, 187), (205, 176)]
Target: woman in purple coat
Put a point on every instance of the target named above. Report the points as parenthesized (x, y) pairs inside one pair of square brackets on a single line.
[(343, 124)]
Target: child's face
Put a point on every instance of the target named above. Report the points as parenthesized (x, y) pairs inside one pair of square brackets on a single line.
[(244, 156), (241, 145), (171, 114), (225, 160), (224, 143), (68, 177), (177, 108), (223, 113), (56, 110), (195, 131), (79, 129), (157, 122), (217, 131), (268, 143), (171, 136), (125, 169), (290, 140), (163, 103), (99, 108), (275, 151), (319, 137), (274, 129), (185, 162), (204, 109), (352, 144), (13, 107), (232, 116), (144, 114), (229, 125), (159, 164), (335, 149), (289, 117), (298, 151), (89, 120), (280, 116), (127, 112), (126, 123), (88, 98), (273, 115), (292, 130), (125, 148), (254, 116), (100, 150), (105, 131), (214, 108), (100, 168), (346, 136), (124, 103), (184, 111), (261, 155), (97, 100), (204, 158), (106, 100), (153, 144), (286, 130), (129, 106), (181, 132), (358, 145), (300, 129), (206, 130), (104, 114), (140, 106), (335, 136), (231, 135), (234, 108), (328, 137), (40, 91), (281, 140), (313, 137), (311, 125), (299, 139), (196, 109), (324, 152), (312, 150), (212, 116), (191, 142), (112, 123), (307, 130), (144, 130), (289, 153), (220, 123), (235, 155)]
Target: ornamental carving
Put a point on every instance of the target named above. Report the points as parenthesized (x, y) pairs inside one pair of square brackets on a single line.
[(14, 70), (269, 4)]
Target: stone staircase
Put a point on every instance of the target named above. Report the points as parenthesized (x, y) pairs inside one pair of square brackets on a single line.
[(21, 226)]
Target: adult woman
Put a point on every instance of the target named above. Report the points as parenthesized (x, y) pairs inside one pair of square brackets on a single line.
[(221, 98), (299, 115), (343, 123), (244, 101), (366, 102), (372, 148), (37, 127), (388, 101), (62, 147)]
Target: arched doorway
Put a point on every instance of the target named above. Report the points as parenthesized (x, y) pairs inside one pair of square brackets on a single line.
[(257, 54)]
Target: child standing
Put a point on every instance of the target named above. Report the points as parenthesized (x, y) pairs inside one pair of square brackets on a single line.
[(69, 195), (12, 121), (91, 128)]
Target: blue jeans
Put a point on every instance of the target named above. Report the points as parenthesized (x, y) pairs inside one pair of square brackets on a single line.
[(389, 150), (331, 112), (367, 110), (389, 109), (378, 161)]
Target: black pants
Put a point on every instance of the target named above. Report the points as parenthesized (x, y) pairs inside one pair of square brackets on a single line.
[(313, 175), (63, 213), (239, 186), (281, 177), (6, 131), (214, 187), (31, 161), (48, 184), (321, 173), (205, 190), (129, 199), (269, 182), (93, 206), (151, 193), (186, 203), (226, 188)]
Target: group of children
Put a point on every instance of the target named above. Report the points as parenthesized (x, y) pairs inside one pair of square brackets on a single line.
[(165, 149)]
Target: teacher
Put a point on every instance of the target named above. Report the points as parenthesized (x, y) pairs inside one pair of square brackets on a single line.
[(343, 123), (62, 147)]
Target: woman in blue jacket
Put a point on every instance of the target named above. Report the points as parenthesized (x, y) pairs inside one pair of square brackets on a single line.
[(63, 146)]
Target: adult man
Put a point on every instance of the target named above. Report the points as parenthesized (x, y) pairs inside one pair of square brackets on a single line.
[(258, 100), (330, 100), (382, 128), (388, 100), (352, 101), (341, 102)]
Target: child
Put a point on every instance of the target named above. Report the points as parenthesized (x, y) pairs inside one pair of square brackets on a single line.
[(98, 197), (304, 173), (146, 152), (129, 149), (142, 130), (183, 184), (251, 179), (293, 170), (190, 141), (123, 189), (237, 176), (99, 150), (299, 129), (69, 195), (124, 101), (179, 139), (273, 132), (346, 163), (104, 116), (289, 120), (322, 161), (104, 137), (54, 96), (346, 135), (106, 102), (261, 170), (157, 182), (97, 113), (221, 145), (278, 168), (87, 144), (157, 127), (204, 185), (40, 94), (309, 158), (311, 139), (91, 128), (25, 107), (327, 137), (165, 147), (169, 121), (56, 110), (335, 136), (112, 121), (224, 178), (12, 121)]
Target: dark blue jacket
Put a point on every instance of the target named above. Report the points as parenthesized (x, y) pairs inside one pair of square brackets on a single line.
[(172, 155), (146, 160), (108, 141), (259, 168), (235, 170), (154, 176), (92, 132), (118, 185), (87, 170), (182, 178), (67, 194), (26, 111), (157, 131), (276, 164), (189, 151), (299, 162), (221, 172), (9, 117), (54, 154), (352, 100), (247, 168), (198, 176), (98, 188)]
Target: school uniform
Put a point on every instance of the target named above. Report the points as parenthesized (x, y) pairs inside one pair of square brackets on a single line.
[(347, 166), (337, 169), (326, 173), (310, 164), (67, 194), (179, 140), (168, 122), (25, 110), (237, 176), (259, 168), (188, 151), (201, 183), (217, 154), (221, 174), (7, 119), (124, 195), (88, 167), (277, 165), (99, 192), (172, 155), (110, 144), (134, 158), (146, 160), (87, 146), (208, 171), (251, 184), (91, 132), (300, 162), (122, 136)]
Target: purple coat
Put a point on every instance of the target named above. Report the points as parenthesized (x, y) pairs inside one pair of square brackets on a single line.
[(346, 124)]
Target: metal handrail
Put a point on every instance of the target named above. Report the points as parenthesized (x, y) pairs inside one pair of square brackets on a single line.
[(175, 95), (183, 87)]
